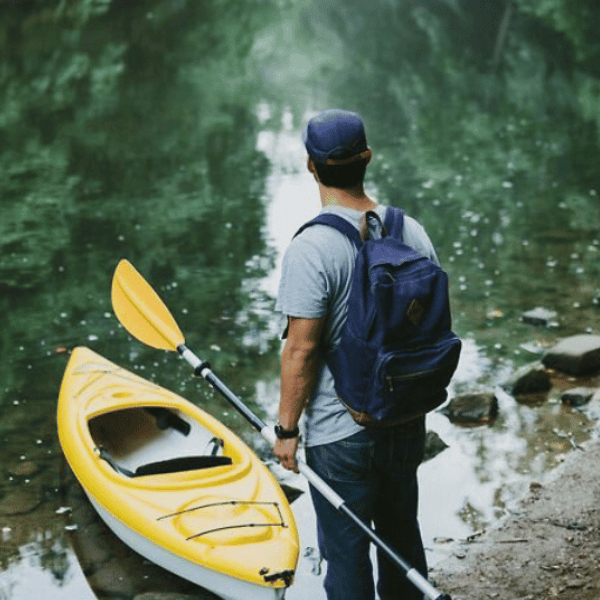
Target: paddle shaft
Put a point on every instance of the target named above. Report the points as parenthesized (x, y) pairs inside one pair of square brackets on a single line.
[(202, 369)]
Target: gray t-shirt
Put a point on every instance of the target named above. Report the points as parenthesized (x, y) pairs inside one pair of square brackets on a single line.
[(315, 281)]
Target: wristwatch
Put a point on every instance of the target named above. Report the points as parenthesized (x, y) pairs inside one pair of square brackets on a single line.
[(286, 434)]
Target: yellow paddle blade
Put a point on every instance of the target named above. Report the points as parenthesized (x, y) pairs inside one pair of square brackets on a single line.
[(141, 311)]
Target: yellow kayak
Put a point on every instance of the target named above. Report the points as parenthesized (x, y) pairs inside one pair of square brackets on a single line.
[(174, 484)]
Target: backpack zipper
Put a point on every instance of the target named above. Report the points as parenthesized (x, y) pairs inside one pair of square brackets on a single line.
[(390, 378)]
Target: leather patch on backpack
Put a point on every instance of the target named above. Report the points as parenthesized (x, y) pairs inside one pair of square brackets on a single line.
[(415, 312)]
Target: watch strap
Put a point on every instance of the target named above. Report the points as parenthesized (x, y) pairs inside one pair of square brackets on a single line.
[(286, 434)]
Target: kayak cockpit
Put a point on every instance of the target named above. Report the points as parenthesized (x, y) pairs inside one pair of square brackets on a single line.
[(153, 440)]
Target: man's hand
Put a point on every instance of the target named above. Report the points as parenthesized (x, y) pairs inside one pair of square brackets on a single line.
[(285, 453)]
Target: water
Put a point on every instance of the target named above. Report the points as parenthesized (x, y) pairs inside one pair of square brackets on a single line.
[(169, 134)]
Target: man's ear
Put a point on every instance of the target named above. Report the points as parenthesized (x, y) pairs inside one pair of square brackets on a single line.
[(310, 165), (369, 156)]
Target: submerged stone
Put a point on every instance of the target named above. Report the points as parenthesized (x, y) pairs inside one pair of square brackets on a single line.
[(576, 355), (472, 409), (578, 396), (24, 468), (110, 579), (20, 502)]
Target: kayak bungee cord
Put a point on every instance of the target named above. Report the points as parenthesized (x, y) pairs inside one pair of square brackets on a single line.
[(144, 315)]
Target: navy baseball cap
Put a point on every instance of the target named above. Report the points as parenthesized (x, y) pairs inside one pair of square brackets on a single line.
[(336, 137)]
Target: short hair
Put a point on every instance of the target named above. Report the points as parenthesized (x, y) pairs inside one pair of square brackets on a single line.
[(342, 176)]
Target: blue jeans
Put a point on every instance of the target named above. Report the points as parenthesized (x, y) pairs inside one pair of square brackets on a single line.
[(376, 474)]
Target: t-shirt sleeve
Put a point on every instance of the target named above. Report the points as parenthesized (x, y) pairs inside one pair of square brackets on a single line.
[(303, 288), (416, 237)]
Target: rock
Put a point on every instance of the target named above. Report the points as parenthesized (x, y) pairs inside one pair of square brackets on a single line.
[(578, 396), (576, 355), (531, 381), (25, 468), (92, 550), (539, 316), (20, 502), (434, 444), (472, 409), (291, 493), (111, 580)]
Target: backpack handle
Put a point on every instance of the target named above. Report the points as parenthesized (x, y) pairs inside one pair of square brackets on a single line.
[(394, 222), (366, 229)]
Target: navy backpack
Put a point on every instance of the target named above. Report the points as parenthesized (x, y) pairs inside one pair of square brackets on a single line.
[(397, 352)]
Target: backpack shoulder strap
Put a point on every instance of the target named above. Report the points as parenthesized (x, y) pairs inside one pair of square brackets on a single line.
[(336, 222), (394, 222)]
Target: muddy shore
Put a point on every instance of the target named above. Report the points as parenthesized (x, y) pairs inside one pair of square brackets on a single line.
[(549, 546)]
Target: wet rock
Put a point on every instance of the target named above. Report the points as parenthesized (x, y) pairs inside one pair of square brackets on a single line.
[(20, 502), (434, 445), (472, 409), (540, 316), (530, 380), (576, 355), (578, 396)]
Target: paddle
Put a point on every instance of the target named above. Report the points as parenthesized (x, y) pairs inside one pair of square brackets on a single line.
[(145, 317)]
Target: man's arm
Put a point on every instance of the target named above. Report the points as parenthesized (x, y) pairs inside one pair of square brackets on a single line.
[(300, 366)]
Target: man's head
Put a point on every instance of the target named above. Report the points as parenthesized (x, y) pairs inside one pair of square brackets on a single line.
[(337, 147)]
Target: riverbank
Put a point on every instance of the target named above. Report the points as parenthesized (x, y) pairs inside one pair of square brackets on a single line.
[(548, 547)]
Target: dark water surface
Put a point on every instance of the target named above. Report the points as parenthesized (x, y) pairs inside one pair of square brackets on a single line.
[(168, 133)]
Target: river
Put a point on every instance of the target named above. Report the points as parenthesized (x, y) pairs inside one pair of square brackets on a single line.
[(170, 134)]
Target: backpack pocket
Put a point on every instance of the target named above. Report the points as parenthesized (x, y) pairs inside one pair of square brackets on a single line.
[(410, 382)]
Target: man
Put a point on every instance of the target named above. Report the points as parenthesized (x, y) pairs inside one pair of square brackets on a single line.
[(374, 471)]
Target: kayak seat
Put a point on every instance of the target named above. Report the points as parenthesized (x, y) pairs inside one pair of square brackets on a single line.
[(184, 463), (171, 465)]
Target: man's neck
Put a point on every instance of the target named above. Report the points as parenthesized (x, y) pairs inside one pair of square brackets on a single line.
[(351, 197)]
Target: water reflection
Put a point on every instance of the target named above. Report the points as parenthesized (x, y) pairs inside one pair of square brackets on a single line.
[(58, 577)]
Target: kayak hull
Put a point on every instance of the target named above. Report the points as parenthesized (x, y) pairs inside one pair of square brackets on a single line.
[(174, 484), (227, 587)]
